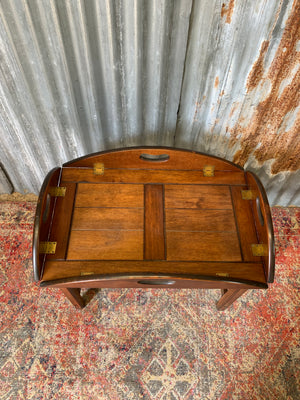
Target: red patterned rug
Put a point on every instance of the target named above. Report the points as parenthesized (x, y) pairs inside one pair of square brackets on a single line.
[(146, 344)]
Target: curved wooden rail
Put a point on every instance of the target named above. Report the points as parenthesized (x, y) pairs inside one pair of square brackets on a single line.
[(161, 281), (158, 157), (263, 222), (42, 220)]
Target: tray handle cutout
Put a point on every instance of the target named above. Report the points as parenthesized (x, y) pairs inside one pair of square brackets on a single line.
[(259, 212), (154, 157), (154, 282), (47, 209)]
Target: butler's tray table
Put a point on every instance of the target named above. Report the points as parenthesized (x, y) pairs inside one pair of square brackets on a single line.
[(153, 217)]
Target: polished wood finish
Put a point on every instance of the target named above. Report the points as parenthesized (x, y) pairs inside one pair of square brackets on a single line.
[(203, 246), (244, 220), (150, 282), (43, 220), (61, 225), (106, 245), (151, 175), (73, 295), (154, 223), (107, 222), (92, 218), (65, 270), (179, 159), (187, 219), (200, 197), (109, 195), (153, 219), (228, 297), (264, 230)]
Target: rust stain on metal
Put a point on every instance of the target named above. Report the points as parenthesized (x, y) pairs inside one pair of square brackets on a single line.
[(198, 106), (216, 82), (227, 11), (233, 109), (266, 131), (257, 71)]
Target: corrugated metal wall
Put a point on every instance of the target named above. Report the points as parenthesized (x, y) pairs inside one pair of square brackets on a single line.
[(220, 77)]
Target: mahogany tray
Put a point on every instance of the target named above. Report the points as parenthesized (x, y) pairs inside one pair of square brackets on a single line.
[(153, 217)]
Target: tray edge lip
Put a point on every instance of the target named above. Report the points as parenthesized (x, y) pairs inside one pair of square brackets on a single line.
[(123, 149)]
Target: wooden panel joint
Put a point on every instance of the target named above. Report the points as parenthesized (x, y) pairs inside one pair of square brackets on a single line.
[(154, 223)]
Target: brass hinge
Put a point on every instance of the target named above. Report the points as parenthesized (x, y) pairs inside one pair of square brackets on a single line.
[(209, 170), (55, 191), (47, 247), (247, 195), (223, 274), (259, 250), (98, 168)]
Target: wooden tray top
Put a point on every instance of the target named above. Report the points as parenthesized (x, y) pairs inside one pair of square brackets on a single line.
[(153, 216)]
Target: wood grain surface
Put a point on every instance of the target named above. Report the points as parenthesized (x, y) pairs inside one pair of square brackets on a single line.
[(108, 218), (109, 195), (151, 175), (197, 196), (245, 223), (130, 158), (203, 246), (106, 245), (154, 223), (238, 270), (200, 220)]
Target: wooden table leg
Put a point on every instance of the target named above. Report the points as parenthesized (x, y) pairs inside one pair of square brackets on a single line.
[(228, 297), (74, 296)]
